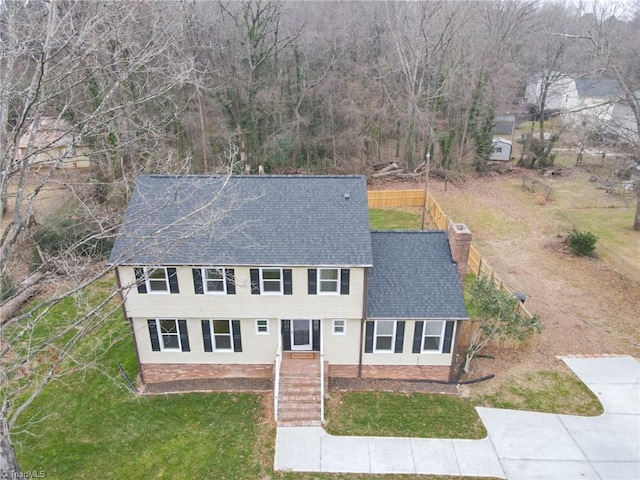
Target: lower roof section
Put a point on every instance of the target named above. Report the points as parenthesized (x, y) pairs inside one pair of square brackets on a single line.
[(413, 276)]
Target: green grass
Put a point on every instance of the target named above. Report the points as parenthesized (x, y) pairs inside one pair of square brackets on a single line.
[(544, 391), (88, 425), (389, 219), (405, 415)]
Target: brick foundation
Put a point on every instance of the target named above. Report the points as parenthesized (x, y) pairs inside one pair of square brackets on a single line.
[(396, 372), (170, 372)]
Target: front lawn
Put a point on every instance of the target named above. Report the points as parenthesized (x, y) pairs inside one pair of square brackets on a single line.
[(544, 391), (384, 414), (91, 426)]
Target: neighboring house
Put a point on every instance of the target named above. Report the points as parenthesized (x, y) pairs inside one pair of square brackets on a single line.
[(221, 275), (593, 104), (500, 149), (52, 141)]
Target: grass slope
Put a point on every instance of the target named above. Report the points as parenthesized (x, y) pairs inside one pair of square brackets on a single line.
[(91, 426)]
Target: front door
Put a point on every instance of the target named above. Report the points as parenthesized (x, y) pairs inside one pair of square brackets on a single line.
[(301, 334)]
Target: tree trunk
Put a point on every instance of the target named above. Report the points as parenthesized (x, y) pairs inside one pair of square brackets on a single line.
[(636, 221), (8, 461)]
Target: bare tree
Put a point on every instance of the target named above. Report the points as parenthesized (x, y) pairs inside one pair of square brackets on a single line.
[(114, 77)]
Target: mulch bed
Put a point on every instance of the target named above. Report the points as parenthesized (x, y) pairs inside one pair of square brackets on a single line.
[(404, 386)]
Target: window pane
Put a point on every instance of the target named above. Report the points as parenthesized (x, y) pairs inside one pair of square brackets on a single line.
[(271, 274), (383, 343), (214, 274), (338, 326), (432, 328), (431, 343), (223, 342), (271, 286), (157, 273), (170, 341), (158, 285), (328, 286), (168, 326), (263, 326), (384, 328), (329, 274), (221, 326), (215, 286)]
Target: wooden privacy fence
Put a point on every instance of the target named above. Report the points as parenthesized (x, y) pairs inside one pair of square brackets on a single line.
[(396, 198)]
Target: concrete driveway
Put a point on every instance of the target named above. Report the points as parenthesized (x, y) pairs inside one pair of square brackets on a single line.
[(519, 445)]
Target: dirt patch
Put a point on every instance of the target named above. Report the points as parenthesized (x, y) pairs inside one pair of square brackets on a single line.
[(586, 306)]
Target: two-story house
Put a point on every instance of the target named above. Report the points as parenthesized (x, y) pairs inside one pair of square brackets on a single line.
[(221, 276)]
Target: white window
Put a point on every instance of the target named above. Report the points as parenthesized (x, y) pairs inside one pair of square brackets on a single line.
[(329, 281), (432, 336), (157, 280), (339, 327), (214, 280), (222, 338), (262, 327), (169, 334), (270, 280), (385, 332)]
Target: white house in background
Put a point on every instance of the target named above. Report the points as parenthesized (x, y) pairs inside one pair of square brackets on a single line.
[(500, 149), (53, 140), (224, 276), (596, 104)]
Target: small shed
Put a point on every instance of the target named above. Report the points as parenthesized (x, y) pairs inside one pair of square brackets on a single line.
[(500, 149)]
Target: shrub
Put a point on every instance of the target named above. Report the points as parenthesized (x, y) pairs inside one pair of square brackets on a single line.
[(72, 231), (582, 243), (8, 287)]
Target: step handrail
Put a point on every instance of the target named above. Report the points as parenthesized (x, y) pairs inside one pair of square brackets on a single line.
[(276, 381)]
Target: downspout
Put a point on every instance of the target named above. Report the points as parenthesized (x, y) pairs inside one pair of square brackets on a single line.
[(130, 322), (452, 368), (364, 318)]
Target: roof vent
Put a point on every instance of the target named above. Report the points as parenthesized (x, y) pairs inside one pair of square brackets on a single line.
[(347, 196)]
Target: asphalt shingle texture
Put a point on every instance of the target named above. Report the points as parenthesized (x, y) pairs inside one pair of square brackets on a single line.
[(246, 220), (413, 276)]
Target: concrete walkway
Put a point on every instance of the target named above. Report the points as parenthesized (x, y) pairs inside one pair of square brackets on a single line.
[(519, 445)]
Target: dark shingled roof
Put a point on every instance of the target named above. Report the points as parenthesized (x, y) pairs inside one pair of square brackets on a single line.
[(504, 124), (598, 87), (413, 276), (246, 220)]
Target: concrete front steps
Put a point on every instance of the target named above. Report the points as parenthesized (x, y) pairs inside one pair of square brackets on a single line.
[(299, 400)]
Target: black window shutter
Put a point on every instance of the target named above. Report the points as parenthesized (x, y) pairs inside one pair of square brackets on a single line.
[(286, 334), (417, 337), (173, 280), (255, 281), (197, 281), (344, 281), (368, 337), (230, 275), (184, 335), (315, 336), (237, 338), (312, 281), (153, 333), (206, 336), (399, 336), (448, 337), (287, 281), (142, 286)]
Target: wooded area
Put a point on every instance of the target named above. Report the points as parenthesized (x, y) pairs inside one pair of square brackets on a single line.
[(221, 87)]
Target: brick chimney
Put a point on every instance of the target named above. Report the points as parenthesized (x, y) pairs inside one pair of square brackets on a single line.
[(460, 243)]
